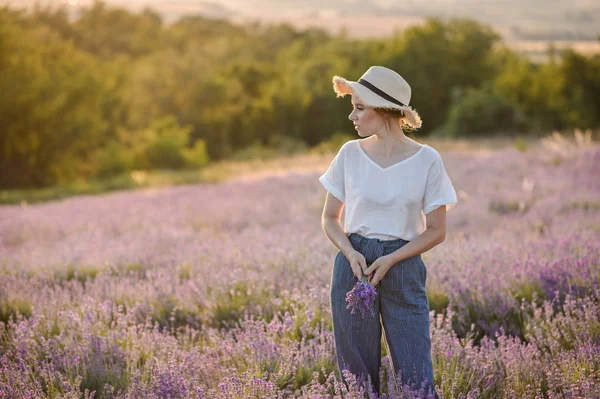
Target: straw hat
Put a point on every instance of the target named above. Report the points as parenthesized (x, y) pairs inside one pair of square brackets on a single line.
[(380, 87)]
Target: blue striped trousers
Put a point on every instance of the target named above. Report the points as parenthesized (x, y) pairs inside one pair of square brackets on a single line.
[(401, 308)]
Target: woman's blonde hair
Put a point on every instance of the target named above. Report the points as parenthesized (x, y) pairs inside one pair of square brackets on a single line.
[(388, 113)]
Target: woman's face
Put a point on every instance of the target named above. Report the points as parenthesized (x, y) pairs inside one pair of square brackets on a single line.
[(366, 121)]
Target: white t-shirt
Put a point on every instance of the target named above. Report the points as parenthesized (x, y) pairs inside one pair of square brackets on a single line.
[(388, 203)]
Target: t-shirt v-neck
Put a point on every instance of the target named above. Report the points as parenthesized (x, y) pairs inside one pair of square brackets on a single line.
[(391, 202), (362, 150)]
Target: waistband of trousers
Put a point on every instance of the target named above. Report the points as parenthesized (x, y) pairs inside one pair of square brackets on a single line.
[(358, 239)]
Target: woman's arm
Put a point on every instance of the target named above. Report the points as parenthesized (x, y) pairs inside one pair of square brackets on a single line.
[(332, 226), (434, 234)]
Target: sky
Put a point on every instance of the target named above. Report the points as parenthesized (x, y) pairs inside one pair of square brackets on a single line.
[(256, 8), (378, 17)]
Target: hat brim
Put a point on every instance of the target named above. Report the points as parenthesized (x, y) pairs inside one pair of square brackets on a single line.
[(342, 87)]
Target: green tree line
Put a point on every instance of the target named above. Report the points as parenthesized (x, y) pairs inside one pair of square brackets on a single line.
[(111, 91)]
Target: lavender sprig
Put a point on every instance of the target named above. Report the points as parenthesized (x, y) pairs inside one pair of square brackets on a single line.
[(361, 298)]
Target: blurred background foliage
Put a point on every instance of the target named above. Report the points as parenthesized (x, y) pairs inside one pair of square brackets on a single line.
[(112, 91)]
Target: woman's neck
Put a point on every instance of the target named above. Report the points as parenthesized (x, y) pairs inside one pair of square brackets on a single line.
[(389, 143)]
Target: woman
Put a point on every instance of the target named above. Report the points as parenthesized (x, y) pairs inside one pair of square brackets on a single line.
[(396, 193)]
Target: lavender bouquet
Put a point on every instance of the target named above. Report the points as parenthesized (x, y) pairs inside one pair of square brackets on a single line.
[(361, 298)]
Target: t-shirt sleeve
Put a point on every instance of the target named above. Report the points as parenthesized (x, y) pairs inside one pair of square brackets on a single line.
[(439, 190), (333, 178)]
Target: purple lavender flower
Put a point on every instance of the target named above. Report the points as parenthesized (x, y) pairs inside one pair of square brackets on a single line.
[(361, 298)]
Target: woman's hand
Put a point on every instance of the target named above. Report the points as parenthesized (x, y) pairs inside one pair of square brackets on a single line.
[(358, 264), (378, 269)]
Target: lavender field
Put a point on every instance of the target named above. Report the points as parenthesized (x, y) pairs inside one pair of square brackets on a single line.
[(222, 290)]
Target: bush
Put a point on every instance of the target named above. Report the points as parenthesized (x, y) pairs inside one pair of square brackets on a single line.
[(254, 151), (286, 145), (483, 111), (333, 144), (165, 153), (164, 146), (111, 160), (197, 156), (277, 146)]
